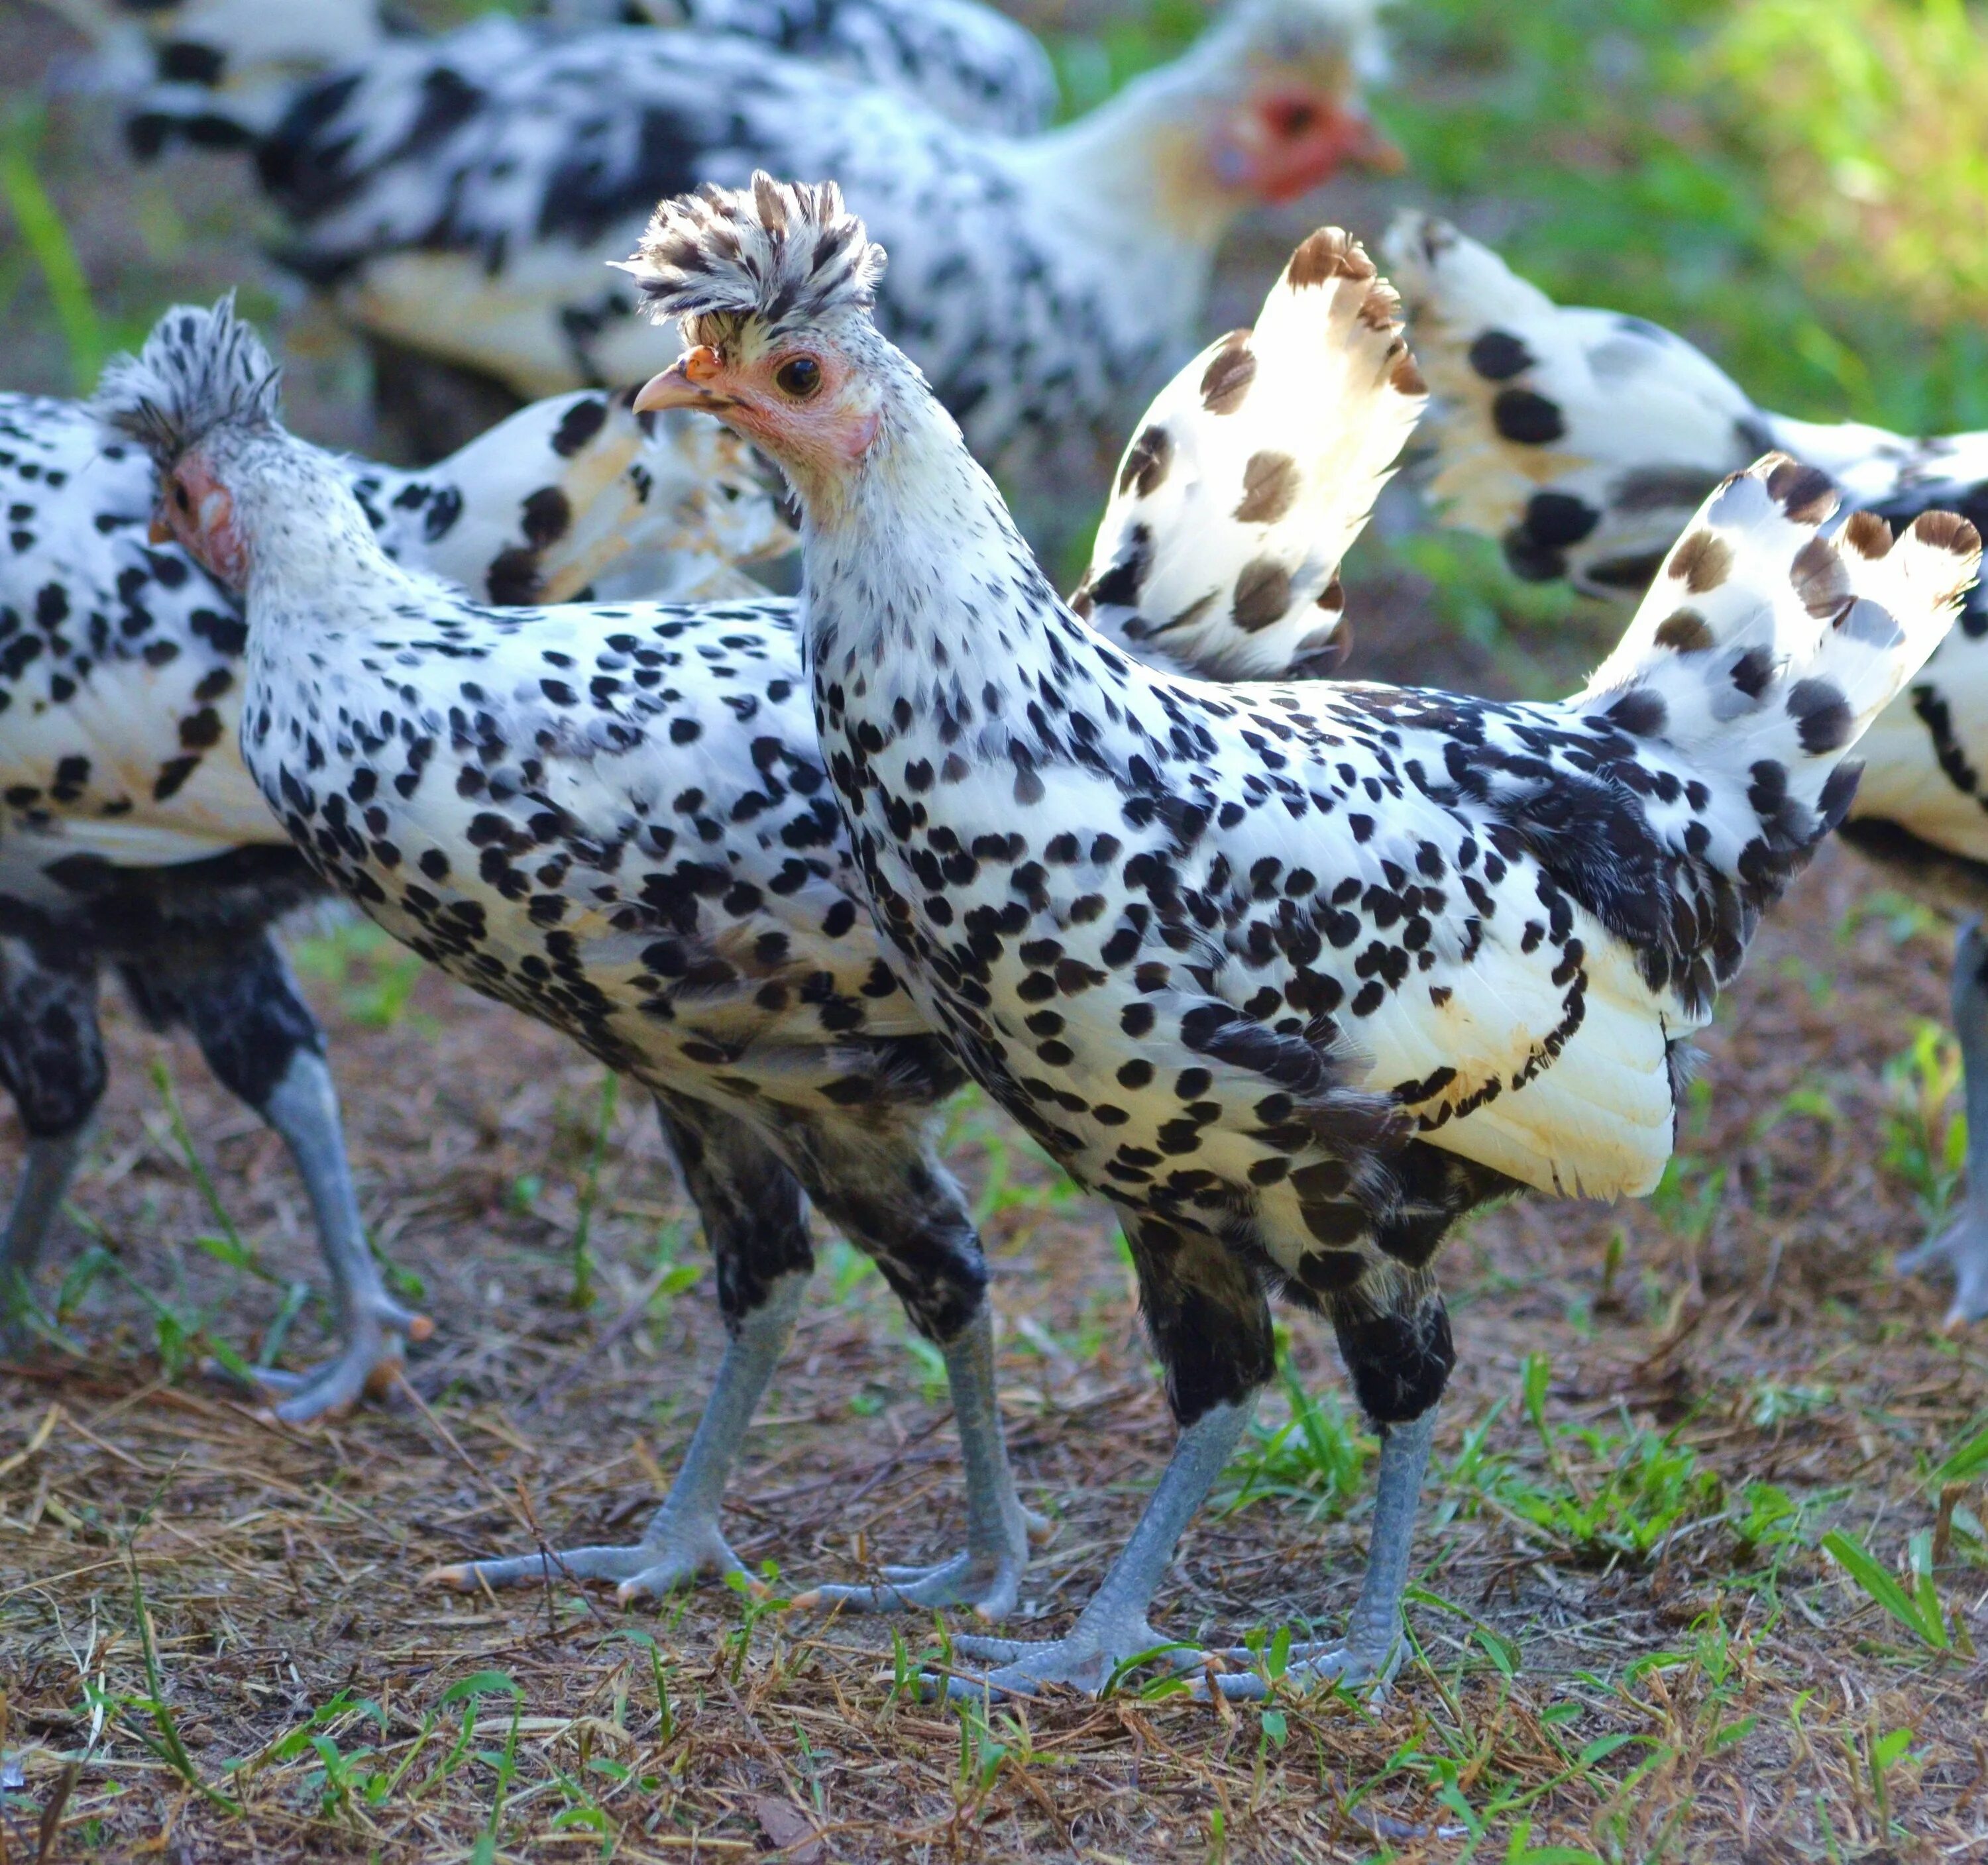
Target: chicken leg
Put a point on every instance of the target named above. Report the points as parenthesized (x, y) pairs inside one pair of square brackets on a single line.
[(1963, 1246)]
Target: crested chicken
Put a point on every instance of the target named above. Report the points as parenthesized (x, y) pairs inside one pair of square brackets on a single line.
[(1294, 976), (453, 198), (1581, 437), (616, 818), (133, 838)]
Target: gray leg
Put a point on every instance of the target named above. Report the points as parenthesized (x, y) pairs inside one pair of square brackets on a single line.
[(1963, 1246), (988, 1575), (303, 1107), (45, 1178), (683, 1540), (1113, 1628), (1372, 1651), (51, 1062)]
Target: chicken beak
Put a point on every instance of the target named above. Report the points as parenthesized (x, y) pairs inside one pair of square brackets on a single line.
[(682, 385), (159, 531), (1372, 150)]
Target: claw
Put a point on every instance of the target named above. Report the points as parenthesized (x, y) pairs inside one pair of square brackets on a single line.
[(963, 1581), (1963, 1248)]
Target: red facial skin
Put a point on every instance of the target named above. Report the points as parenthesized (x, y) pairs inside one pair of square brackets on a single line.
[(198, 511), (826, 429), (1292, 137)]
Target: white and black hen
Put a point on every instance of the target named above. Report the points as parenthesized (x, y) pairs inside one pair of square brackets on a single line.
[(131, 836), (1581, 439), (222, 73), (454, 197), (616, 819), (1293, 974)]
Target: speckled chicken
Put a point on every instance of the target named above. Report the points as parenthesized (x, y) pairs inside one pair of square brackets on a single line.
[(221, 72), (131, 835), (455, 197), (616, 820), (1294, 976), (1581, 438)]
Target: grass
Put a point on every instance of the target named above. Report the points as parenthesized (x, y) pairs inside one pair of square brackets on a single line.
[(1703, 1550)]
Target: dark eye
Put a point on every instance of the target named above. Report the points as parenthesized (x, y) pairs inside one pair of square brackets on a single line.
[(799, 377)]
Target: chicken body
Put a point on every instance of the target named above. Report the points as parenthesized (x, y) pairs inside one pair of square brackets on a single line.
[(455, 197), (616, 818), (221, 72), (132, 836), (1581, 438), (1294, 976)]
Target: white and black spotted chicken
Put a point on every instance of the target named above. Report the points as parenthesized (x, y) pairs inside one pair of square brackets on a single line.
[(616, 819), (1581, 438), (219, 73), (455, 197), (1293, 974), (131, 836)]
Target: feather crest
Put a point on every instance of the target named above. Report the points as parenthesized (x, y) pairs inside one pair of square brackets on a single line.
[(200, 369), (784, 254)]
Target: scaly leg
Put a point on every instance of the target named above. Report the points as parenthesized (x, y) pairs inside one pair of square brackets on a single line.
[(1372, 1650), (683, 1541), (259, 1038), (757, 1228), (988, 1575), (1113, 1629), (887, 1188), (1963, 1246), (51, 1062), (303, 1108), (45, 1178)]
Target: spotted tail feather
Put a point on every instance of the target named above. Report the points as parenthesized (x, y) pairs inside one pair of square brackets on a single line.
[(581, 496), (1582, 440), (1765, 649), (1252, 472)]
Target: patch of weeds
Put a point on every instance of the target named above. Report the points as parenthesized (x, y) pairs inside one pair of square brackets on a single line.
[(43, 232), (1771, 1405), (1915, 1603), (1903, 918), (1317, 1457), (1926, 1129), (1619, 1493), (583, 1296), (372, 975)]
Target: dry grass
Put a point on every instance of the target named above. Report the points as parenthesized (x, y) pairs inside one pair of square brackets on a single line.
[(1630, 1643)]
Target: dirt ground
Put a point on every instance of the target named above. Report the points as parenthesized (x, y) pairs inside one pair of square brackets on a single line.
[(215, 1640)]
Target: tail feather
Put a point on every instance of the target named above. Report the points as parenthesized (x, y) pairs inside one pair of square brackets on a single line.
[(1254, 469), (1763, 638), (579, 496), (1582, 440)]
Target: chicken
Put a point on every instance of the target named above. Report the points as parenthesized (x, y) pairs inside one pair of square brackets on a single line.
[(221, 72), (1294, 976), (454, 196), (616, 820), (1581, 439), (131, 835)]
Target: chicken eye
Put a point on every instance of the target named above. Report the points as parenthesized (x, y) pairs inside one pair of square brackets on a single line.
[(800, 377)]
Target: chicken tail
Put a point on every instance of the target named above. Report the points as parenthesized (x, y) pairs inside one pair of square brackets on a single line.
[(1765, 649), (1583, 440), (1253, 471), (579, 498)]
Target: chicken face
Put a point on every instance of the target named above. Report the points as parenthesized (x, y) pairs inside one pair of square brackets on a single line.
[(805, 404), (1290, 135), (198, 511)]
